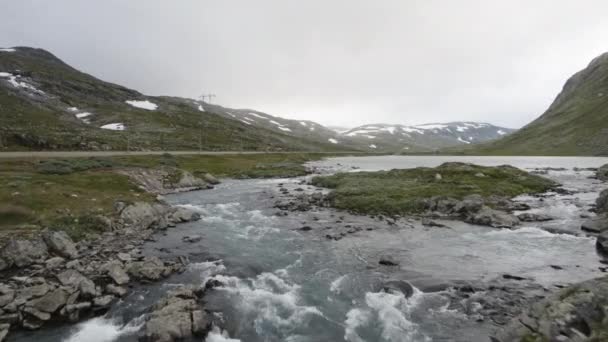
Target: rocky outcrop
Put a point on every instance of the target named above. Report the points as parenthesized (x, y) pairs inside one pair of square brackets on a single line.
[(602, 173), (602, 242), (596, 224), (168, 180), (144, 215), (576, 313), (176, 317), (55, 279)]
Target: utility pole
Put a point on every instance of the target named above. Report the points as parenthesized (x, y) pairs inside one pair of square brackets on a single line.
[(208, 96)]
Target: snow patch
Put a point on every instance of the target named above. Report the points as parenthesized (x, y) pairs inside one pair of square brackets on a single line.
[(114, 126), (83, 115), (463, 141), (15, 82), (200, 107), (258, 116), (501, 132), (303, 123), (7, 50), (284, 129), (142, 104), (332, 140), (372, 146), (243, 121)]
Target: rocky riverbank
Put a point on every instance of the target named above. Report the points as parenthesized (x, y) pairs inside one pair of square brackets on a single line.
[(49, 279)]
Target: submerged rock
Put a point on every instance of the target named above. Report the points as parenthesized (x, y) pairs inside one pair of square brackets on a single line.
[(601, 203), (596, 224), (398, 286), (602, 242)]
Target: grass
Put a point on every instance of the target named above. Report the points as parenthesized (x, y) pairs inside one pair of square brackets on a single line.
[(71, 193), (400, 192)]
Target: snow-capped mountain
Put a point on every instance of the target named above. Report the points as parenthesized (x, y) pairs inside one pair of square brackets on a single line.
[(425, 137)]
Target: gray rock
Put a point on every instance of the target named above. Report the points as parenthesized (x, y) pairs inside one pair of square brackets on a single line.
[(185, 215), (192, 238), (142, 215), (75, 279), (602, 242), (602, 202), (171, 321), (388, 260), (54, 263), (4, 328), (51, 302), (201, 324), (43, 316), (22, 253), (151, 268), (596, 224), (60, 243), (209, 178), (469, 205), (115, 270), (532, 217), (576, 313), (117, 291), (602, 173), (493, 218), (103, 301)]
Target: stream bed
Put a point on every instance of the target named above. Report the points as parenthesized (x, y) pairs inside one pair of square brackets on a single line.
[(285, 281)]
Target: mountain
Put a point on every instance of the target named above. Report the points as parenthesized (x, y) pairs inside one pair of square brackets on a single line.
[(427, 137), (576, 123), (46, 104)]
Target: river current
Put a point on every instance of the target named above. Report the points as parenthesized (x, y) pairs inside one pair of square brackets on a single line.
[(283, 283)]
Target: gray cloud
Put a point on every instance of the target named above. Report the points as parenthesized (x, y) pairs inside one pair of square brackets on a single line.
[(337, 62)]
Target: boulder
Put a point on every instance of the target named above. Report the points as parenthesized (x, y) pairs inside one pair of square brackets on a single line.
[(182, 214), (4, 328), (143, 215), (493, 218), (209, 178), (576, 313), (175, 318), (60, 243), (75, 279), (117, 291), (50, 302), (103, 301), (602, 173), (151, 268), (596, 224), (54, 263), (469, 205), (115, 270), (20, 253)]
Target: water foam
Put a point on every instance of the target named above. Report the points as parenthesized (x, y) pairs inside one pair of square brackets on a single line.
[(104, 330), (217, 335), (534, 232), (269, 301), (390, 312), (335, 285)]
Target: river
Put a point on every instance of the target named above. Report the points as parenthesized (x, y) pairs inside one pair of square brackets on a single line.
[(283, 283)]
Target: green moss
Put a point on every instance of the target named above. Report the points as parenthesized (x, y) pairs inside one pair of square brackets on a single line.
[(404, 191)]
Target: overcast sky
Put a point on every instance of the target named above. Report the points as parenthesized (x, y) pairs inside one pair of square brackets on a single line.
[(338, 62)]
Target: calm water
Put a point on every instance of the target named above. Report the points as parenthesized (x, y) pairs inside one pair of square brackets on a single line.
[(283, 284)]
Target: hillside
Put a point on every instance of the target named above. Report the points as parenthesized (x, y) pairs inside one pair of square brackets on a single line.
[(46, 104), (576, 123), (427, 137)]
